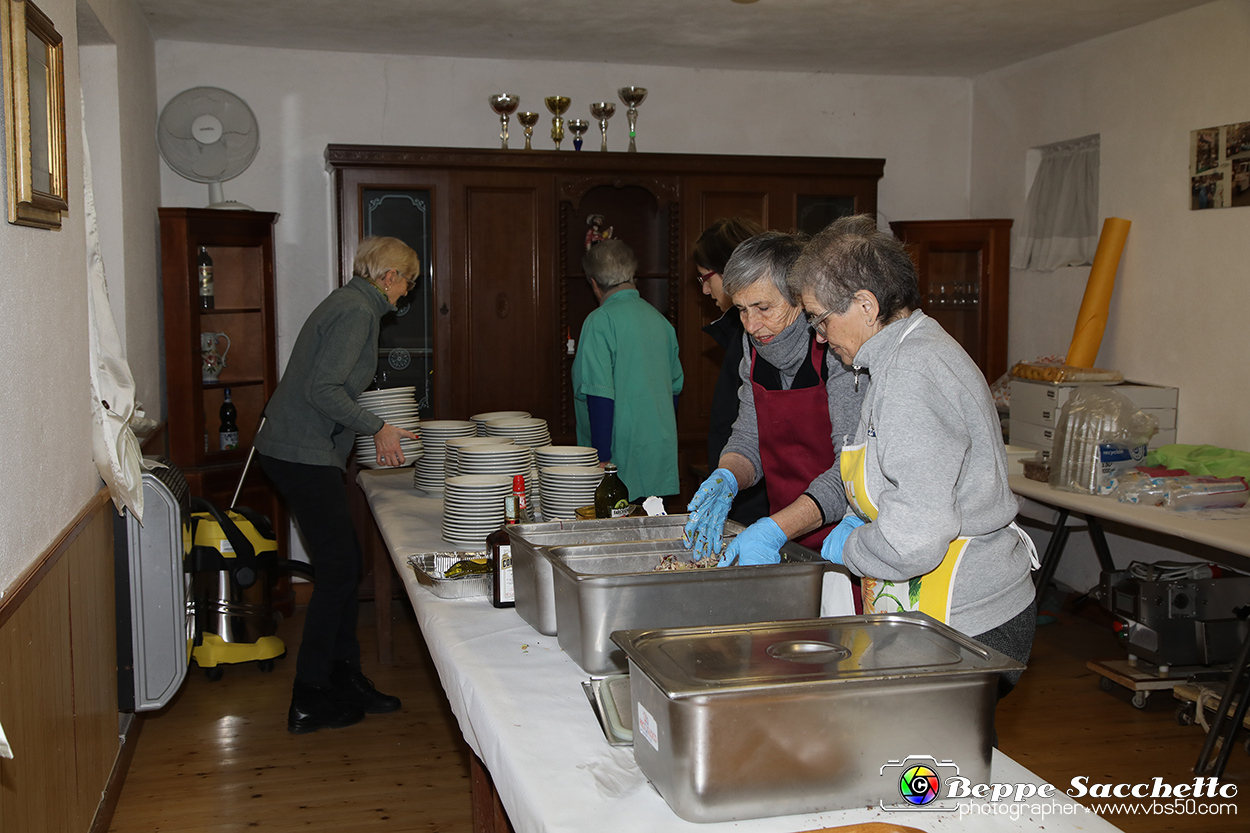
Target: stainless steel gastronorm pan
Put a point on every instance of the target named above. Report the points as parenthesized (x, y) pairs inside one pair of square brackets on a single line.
[(779, 718), (601, 588), (531, 569)]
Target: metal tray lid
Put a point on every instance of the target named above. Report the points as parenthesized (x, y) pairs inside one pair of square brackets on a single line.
[(689, 662)]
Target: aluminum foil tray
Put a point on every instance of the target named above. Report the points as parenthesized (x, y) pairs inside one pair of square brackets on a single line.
[(431, 568)]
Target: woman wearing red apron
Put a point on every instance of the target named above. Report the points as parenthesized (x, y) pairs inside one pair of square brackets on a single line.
[(931, 520), (796, 402)]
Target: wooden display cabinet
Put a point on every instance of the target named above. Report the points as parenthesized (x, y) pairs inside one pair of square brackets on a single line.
[(964, 268), (502, 235), (241, 246)]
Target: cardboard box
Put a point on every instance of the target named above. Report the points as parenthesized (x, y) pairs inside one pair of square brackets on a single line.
[(1042, 437), (1033, 399)]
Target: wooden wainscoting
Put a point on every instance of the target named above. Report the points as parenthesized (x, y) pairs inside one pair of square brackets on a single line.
[(58, 680)]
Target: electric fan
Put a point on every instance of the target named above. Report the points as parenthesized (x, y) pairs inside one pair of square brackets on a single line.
[(208, 135)]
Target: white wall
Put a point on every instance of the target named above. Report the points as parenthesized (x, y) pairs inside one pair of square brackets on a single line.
[(306, 100), (1178, 315), (45, 420), (1182, 293)]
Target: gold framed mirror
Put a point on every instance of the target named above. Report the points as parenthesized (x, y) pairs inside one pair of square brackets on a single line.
[(34, 116)]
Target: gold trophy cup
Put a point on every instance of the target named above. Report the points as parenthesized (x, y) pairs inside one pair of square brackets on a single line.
[(504, 104), (557, 104), (527, 118), (603, 110)]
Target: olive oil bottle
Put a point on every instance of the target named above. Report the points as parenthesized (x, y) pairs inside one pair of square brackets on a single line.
[(611, 498)]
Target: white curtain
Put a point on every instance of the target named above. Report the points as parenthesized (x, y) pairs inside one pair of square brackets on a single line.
[(115, 447), (1060, 225)]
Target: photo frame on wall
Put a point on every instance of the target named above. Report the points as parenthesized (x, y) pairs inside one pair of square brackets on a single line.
[(34, 116), (1219, 166)]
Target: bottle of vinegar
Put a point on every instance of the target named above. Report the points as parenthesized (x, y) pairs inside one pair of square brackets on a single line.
[(204, 268), (500, 546), (611, 498), (229, 433)]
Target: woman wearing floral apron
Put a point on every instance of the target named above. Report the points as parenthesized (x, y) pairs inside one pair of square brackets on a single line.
[(930, 524)]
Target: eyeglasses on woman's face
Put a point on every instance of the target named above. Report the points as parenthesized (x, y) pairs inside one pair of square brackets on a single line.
[(411, 280), (704, 277), (817, 322)]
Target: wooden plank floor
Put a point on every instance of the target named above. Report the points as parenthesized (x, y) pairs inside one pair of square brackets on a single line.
[(219, 757)]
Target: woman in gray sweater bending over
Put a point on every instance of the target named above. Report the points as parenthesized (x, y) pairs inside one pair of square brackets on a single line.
[(311, 423), (930, 521)]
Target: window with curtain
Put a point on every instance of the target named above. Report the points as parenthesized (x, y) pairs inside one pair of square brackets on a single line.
[(1060, 225)]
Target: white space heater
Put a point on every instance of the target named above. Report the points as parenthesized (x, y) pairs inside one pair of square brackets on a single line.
[(154, 624)]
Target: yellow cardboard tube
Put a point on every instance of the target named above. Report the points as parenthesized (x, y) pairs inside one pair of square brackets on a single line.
[(1091, 321)]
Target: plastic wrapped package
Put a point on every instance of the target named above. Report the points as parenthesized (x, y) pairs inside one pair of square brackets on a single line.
[(1203, 492), (1139, 487), (1054, 370), (1101, 434)]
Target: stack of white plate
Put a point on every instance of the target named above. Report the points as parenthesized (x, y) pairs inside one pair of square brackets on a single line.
[(566, 455), (502, 459), (473, 507), (496, 459), (558, 455), (398, 406), (451, 464), (428, 474), (530, 431), (567, 488), (482, 419)]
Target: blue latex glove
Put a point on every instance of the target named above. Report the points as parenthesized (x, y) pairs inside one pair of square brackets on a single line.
[(759, 543), (708, 511), (831, 550)]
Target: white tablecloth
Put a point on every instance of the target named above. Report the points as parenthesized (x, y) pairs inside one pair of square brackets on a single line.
[(520, 705)]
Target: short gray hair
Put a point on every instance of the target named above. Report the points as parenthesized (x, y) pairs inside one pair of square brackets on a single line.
[(610, 263), (851, 254), (764, 256)]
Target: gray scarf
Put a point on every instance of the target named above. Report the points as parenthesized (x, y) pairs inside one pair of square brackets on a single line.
[(788, 350)]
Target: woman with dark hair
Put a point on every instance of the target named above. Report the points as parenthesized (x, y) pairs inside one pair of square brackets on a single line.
[(711, 253), (930, 524), (795, 403)]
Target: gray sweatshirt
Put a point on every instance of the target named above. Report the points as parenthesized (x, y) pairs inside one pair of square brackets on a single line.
[(313, 417), (936, 468), (844, 404)]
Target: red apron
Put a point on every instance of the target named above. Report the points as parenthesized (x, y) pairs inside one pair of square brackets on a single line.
[(796, 440)]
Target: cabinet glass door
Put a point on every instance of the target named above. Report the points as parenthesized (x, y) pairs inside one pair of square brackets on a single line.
[(951, 293), (405, 344)]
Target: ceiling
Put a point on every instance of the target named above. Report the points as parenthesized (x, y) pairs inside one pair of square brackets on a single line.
[(890, 37)]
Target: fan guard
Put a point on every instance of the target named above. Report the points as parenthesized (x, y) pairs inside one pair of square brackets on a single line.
[(210, 135)]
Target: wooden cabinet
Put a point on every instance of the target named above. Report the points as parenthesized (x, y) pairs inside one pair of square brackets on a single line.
[(241, 246), (964, 268), (502, 243)]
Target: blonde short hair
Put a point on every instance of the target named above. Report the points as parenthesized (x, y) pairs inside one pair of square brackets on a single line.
[(375, 255)]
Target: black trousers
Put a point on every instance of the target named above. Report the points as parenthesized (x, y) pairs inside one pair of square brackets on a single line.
[(317, 498)]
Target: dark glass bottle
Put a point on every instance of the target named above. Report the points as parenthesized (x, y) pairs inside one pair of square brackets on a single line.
[(204, 271), (500, 547), (611, 498), (229, 433)]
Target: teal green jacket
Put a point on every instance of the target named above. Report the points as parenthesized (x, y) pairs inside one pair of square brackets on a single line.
[(627, 352), (313, 417)]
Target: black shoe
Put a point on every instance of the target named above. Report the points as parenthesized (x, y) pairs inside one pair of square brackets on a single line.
[(317, 708), (351, 686)]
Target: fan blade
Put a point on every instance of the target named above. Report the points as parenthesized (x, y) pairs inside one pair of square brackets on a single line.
[(212, 160)]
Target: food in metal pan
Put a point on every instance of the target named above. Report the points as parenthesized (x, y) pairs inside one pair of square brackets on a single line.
[(672, 562)]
